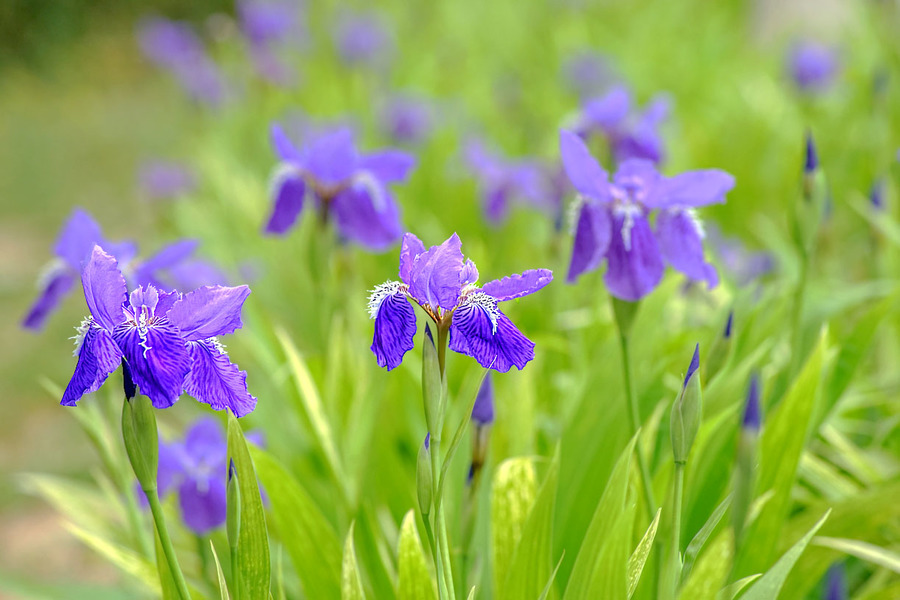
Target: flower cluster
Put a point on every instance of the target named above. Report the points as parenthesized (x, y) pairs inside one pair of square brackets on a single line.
[(267, 25), (168, 340), (613, 220), (444, 284), (344, 183)]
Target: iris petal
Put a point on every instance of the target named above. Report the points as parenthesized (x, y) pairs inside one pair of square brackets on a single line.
[(593, 232), (498, 345), (158, 360), (209, 311), (682, 246), (77, 238), (434, 276), (215, 380), (410, 248), (636, 266), (395, 329), (388, 165), (368, 215), (97, 358), (57, 287), (288, 189), (104, 289), (202, 502), (516, 285), (583, 170)]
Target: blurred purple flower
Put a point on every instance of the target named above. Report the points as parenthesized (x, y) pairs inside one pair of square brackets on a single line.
[(344, 183), (407, 119), (631, 133), (362, 38), (835, 583), (503, 181), (812, 65), (443, 283), (587, 73), (175, 47), (483, 409), (268, 26), (73, 246), (876, 194), (752, 419), (160, 179), (173, 268), (613, 220), (168, 340), (744, 265)]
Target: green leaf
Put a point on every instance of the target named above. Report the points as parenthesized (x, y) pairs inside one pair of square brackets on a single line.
[(696, 545), (599, 556), (310, 540), (167, 583), (513, 494), (124, 559), (732, 590), (220, 576), (531, 563), (862, 550), (549, 587), (253, 542), (711, 569), (414, 581), (769, 585), (639, 557), (351, 584), (460, 432)]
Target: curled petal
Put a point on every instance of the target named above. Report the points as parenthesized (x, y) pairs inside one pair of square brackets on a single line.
[(97, 358), (368, 215), (516, 286), (434, 276), (481, 331), (158, 360), (77, 238), (216, 381), (202, 502), (696, 188), (388, 165), (288, 190), (635, 263), (593, 232), (410, 248), (583, 170), (56, 287), (395, 325), (104, 289), (209, 311), (681, 242)]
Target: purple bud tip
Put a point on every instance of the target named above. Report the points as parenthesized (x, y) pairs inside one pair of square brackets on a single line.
[(751, 410), (812, 157), (836, 586), (471, 474), (729, 325), (876, 194), (427, 440), (231, 469), (695, 364), (428, 334), (483, 410)]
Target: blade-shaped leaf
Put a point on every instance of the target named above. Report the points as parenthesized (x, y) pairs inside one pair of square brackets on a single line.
[(351, 584), (512, 496), (696, 545), (639, 557), (220, 576), (862, 550), (414, 579)]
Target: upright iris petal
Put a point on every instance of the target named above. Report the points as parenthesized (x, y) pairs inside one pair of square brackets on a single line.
[(434, 275)]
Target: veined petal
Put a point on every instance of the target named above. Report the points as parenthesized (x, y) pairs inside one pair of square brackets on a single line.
[(56, 287), (77, 237), (410, 248), (395, 324), (583, 170), (434, 276), (635, 263), (481, 331), (288, 189), (367, 214), (681, 241), (104, 289), (158, 359), (593, 232), (97, 358), (209, 311), (215, 380), (516, 286), (469, 273), (388, 165), (696, 188), (202, 501)]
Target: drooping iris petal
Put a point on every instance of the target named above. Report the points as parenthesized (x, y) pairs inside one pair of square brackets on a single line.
[(332, 156), (593, 232), (368, 215), (213, 379), (496, 203), (209, 311), (635, 263), (583, 170), (516, 285), (169, 256), (97, 358), (410, 248), (158, 360), (170, 469), (288, 189), (395, 326), (481, 331), (696, 188), (202, 501), (77, 238), (388, 165), (57, 286), (434, 276), (681, 243), (104, 289)]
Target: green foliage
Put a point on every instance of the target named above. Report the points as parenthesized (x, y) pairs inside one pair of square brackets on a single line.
[(413, 578), (351, 585)]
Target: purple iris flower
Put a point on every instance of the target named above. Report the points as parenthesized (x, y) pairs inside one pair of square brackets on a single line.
[(503, 181), (631, 133), (268, 25), (342, 182), (160, 179), (175, 47), (587, 73), (744, 265), (876, 194), (613, 221), (812, 65), (407, 119), (836, 583), (74, 243), (483, 409), (167, 339), (174, 268), (444, 284), (362, 38), (752, 418)]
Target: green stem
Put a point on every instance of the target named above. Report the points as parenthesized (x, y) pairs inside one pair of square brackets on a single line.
[(440, 531), (796, 317), (676, 527), (634, 422), (166, 542), (235, 574)]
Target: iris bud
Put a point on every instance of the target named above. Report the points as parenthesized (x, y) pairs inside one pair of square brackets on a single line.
[(686, 412), (745, 468), (424, 478), (140, 434)]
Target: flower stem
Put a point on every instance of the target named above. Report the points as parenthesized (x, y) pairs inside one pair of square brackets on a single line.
[(441, 558), (675, 556), (166, 542)]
